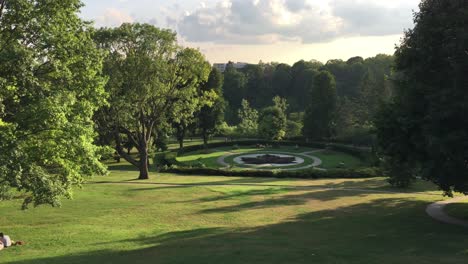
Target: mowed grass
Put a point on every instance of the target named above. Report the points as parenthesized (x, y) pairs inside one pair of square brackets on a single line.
[(333, 159), (458, 210), (197, 219), (330, 159)]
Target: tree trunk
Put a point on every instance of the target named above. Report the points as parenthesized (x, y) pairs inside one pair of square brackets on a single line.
[(181, 136), (205, 138), (181, 144), (143, 164)]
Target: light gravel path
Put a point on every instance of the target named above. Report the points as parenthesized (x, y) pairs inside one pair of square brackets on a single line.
[(436, 211), (316, 161)]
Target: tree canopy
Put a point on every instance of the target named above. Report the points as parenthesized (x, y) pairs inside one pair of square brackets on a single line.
[(272, 123), (318, 119), (210, 117), (50, 85), (423, 131), (152, 80)]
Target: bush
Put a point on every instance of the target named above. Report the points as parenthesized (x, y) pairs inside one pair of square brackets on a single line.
[(302, 174), (164, 159), (5, 192)]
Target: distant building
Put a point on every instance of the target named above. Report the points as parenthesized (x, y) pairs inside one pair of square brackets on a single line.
[(222, 66)]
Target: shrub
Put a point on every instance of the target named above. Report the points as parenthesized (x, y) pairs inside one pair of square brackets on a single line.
[(164, 159), (303, 174), (5, 192)]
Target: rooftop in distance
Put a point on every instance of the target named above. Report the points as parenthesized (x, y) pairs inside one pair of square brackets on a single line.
[(222, 66)]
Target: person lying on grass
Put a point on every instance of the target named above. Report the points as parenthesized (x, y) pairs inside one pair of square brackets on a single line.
[(6, 241)]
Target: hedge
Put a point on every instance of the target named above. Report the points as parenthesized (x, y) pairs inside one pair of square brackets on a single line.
[(167, 162), (362, 153), (302, 174)]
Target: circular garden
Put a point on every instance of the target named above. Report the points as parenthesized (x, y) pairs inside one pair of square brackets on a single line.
[(266, 157)]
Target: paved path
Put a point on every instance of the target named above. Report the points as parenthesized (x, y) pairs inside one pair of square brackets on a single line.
[(436, 211), (316, 161)]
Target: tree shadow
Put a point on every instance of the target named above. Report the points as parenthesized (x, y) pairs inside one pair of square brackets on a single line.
[(391, 230)]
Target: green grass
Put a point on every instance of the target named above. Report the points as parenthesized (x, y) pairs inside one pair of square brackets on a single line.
[(173, 144), (197, 219), (330, 159), (458, 210)]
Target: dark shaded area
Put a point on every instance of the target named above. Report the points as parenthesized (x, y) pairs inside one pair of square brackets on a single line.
[(269, 159)]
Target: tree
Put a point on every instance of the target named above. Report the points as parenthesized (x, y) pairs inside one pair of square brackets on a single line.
[(294, 125), (151, 81), (234, 90), (50, 85), (281, 80), (423, 131), (272, 123), (348, 75), (281, 103), (302, 76), (210, 117), (249, 120), (319, 114)]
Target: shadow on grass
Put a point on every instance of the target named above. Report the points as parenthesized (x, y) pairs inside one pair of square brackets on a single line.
[(380, 231)]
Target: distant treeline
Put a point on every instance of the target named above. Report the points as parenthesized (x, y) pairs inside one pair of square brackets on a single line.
[(259, 83)]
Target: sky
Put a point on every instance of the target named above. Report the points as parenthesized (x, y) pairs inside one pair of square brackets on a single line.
[(268, 30)]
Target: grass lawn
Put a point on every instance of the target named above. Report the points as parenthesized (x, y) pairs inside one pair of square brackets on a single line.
[(330, 159), (458, 210), (196, 219)]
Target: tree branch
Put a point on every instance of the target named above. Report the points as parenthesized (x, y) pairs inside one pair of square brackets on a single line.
[(129, 135), (120, 150), (2, 6)]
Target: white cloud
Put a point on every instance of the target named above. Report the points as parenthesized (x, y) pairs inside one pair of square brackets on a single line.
[(113, 17), (307, 21)]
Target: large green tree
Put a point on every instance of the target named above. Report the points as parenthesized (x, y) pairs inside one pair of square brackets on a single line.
[(50, 86), (234, 90), (272, 123), (248, 120), (424, 130), (319, 114), (152, 81), (210, 117)]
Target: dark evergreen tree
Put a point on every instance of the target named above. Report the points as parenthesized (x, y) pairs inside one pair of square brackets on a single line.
[(424, 130), (211, 116), (318, 119)]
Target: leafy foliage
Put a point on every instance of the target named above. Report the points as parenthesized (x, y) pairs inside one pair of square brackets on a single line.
[(249, 120), (424, 128), (272, 123), (319, 115), (210, 117), (50, 86), (152, 81)]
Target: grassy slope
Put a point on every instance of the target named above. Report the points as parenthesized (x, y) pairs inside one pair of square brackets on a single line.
[(177, 219), (458, 210)]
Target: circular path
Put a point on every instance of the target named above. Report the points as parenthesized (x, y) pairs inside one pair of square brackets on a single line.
[(315, 161), (436, 211)]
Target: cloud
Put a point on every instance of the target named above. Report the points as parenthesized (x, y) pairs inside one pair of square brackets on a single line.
[(296, 5), (113, 17), (372, 19), (307, 21), (256, 22)]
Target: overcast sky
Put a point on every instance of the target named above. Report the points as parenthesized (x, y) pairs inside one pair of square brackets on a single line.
[(268, 30)]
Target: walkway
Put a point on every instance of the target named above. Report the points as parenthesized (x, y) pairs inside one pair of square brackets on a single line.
[(436, 211), (315, 161)]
